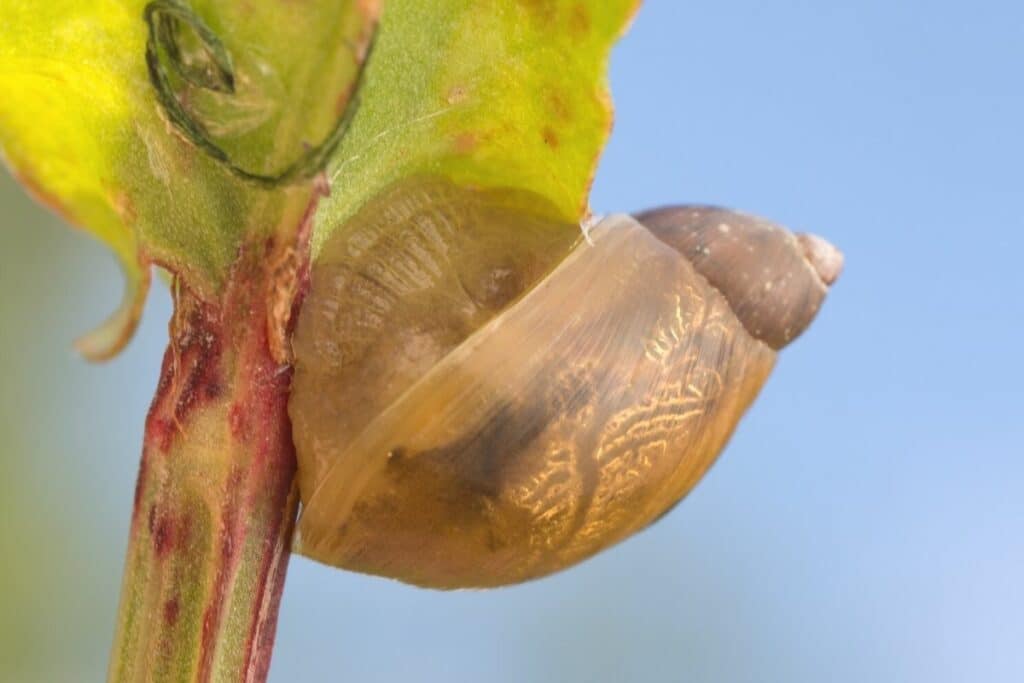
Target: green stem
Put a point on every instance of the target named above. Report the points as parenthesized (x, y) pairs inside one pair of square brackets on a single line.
[(216, 498)]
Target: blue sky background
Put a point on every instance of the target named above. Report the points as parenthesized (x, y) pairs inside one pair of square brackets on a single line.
[(866, 523)]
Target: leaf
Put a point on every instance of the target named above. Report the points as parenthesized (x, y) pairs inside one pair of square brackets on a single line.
[(80, 123), (495, 93), (492, 93)]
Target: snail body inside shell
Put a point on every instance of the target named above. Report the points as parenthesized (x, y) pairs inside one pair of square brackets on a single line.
[(482, 398)]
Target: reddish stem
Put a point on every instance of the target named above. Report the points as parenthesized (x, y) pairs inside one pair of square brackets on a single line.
[(216, 498)]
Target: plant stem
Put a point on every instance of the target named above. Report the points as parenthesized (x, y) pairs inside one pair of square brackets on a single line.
[(216, 498)]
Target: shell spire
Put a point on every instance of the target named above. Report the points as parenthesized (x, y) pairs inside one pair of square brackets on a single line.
[(775, 281)]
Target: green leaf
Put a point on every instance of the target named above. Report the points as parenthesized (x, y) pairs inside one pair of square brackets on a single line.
[(486, 92), (81, 126), (179, 161)]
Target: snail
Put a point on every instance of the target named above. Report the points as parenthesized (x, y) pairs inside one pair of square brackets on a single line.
[(481, 397)]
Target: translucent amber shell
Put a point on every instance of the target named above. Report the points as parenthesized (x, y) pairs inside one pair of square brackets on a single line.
[(482, 398)]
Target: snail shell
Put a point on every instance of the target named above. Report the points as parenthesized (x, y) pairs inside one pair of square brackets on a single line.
[(482, 398)]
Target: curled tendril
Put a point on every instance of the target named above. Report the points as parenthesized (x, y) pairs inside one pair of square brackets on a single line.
[(165, 19)]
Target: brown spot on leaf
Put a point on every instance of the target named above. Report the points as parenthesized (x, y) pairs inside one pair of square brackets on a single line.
[(558, 106), (457, 94), (541, 11), (579, 20), (550, 137), (464, 143)]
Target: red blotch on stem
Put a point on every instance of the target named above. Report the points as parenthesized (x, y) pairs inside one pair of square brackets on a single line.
[(171, 611), (162, 529)]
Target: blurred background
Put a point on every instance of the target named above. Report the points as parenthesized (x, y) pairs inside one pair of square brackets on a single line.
[(865, 524)]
